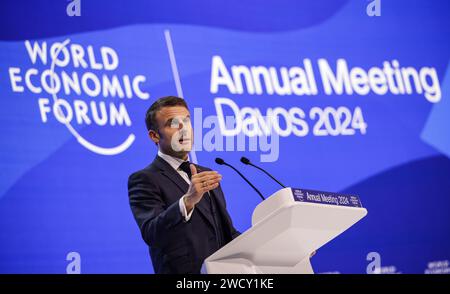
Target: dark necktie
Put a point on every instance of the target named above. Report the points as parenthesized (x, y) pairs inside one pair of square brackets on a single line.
[(185, 167), (211, 204)]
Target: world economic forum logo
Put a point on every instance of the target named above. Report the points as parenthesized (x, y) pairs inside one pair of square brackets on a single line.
[(94, 92)]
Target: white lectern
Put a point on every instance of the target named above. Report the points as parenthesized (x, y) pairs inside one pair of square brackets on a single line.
[(286, 228)]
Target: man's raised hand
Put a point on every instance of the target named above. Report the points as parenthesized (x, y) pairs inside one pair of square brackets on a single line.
[(200, 184)]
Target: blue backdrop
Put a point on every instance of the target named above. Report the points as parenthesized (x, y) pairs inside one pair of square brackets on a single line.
[(363, 102)]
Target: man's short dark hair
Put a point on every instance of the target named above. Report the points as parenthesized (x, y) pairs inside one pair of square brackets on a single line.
[(168, 101)]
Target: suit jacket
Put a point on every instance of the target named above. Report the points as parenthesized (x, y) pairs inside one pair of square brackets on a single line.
[(175, 246)]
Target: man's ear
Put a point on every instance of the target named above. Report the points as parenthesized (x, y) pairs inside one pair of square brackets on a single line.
[(154, 136)]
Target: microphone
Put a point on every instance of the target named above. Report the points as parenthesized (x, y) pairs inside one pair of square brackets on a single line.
[(220, 161), (246, 161)]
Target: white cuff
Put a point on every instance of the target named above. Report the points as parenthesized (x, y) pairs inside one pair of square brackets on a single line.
[(183, 210)]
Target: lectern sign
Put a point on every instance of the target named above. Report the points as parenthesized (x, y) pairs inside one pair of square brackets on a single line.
[(321, 197)]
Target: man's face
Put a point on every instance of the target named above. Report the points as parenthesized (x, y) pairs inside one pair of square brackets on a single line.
[(174, 135)]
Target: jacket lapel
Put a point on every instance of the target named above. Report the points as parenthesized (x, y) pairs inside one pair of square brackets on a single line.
[(221, 206), (175, 177), (171, 174), (203, 208)]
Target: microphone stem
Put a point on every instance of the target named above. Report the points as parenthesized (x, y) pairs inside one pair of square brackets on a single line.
[(257, 191), (267, 174)]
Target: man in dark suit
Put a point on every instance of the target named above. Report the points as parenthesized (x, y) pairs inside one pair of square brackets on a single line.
[(179, 207)]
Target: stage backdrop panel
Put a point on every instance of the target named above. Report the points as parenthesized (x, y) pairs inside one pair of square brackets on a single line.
[(318, 92)]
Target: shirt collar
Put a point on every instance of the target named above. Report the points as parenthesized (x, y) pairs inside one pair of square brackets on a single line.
[(172, 161)]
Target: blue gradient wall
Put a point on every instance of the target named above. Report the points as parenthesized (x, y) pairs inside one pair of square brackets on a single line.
[(58, 194)]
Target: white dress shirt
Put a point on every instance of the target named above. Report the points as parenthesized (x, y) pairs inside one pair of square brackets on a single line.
[(175, 164)]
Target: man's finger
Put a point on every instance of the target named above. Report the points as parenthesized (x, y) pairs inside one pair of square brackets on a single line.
[(193, 169), (206, 174), (213, 186), (213, 178), (208, 184)]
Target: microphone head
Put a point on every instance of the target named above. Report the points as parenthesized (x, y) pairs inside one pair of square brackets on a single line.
[(219, 160), (245, 160)]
